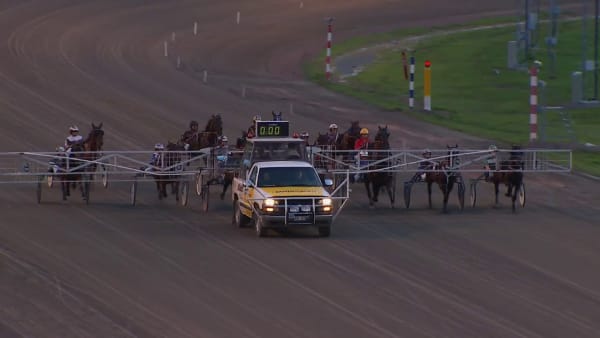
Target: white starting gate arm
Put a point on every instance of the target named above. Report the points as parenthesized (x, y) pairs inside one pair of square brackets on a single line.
[(466, 160)]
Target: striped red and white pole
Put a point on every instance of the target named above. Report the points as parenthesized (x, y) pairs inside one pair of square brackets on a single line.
[(328, 54), (533, 102)]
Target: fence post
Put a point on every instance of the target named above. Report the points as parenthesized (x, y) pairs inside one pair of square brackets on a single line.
[(533, 101), (411, 83)]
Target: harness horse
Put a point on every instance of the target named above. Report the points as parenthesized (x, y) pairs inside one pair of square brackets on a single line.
[(446, 175), (168, 164), (375, 180), (81, 157), (511, 175)]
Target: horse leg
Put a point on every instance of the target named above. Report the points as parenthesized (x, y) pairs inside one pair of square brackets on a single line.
[(175, 190), (391, 193), (496, 188), (446, 192), (368, 188), (65, 187), (429, 194), (226, 184), (376, 188), (509, 188)]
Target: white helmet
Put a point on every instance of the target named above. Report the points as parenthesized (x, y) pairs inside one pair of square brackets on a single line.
[(224, 138), (73, 128), (333, 126), (492, 147), (159, 146), (426, 151)]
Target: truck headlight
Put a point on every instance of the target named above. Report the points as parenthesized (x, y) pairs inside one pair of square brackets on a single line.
[(269, 202), (326, 202)]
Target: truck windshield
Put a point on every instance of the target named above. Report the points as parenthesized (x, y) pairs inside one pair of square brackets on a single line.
[(288, 177)]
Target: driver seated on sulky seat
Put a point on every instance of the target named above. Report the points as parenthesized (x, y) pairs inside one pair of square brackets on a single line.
[(424, 165)]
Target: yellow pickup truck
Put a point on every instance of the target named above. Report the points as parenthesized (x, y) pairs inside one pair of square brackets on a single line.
[(282, 194)]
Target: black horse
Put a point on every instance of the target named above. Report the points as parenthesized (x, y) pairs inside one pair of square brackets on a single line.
[(168, 169), (445, 175), (510, 174), (375, 180)]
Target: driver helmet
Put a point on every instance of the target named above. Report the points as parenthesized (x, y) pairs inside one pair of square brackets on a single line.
[(493, 147), (364, 131), (73, 129), (304, 134), (333, 126), (159, 146), (193, 123), (426, 153), (224, 139)]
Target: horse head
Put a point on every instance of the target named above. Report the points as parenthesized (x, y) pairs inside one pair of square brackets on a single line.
[(382, 138), (240, 143), (322, 140), (95, 139), (215, 125), (453, 158), (354, 129)]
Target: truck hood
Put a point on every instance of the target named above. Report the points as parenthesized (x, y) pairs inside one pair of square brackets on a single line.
[(295, 192)]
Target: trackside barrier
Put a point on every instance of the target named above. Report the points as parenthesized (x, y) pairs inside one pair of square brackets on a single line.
[(467, 160), (120, 166)]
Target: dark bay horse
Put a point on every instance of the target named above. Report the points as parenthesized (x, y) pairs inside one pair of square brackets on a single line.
[(346, 140), (167, 163), (79, 158), (445, 175), (376, 180), (510, 174)]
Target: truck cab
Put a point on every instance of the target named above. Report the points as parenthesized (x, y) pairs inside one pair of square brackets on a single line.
[(278, 187)]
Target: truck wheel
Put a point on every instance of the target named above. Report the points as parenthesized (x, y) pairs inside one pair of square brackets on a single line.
[(261, 231), (239, 219)]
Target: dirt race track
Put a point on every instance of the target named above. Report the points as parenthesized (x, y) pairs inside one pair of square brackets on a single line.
[(111, 270)]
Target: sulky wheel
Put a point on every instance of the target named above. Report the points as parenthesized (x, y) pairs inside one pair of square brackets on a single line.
[(184, 193), (199, 184), (133, 193), (86, 191), (39, 190), (521, 195), (407, 189), (473, 194), (104, 174), (204, 196)]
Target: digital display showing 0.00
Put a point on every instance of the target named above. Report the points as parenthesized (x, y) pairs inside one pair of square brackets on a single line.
[(272, 128)]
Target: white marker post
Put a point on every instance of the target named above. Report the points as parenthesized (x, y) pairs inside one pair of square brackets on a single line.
[(178, 62), (238, 18), (205, 77), (173, 36), (196, 28), (166, 44)]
